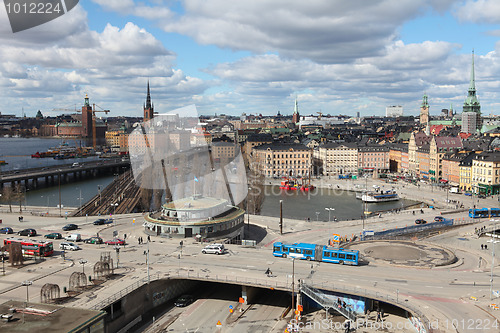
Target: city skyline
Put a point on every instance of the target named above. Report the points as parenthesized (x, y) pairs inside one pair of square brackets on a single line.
[(256, 57)]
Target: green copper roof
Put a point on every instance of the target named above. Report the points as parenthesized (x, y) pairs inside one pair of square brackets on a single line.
[(425, 102)]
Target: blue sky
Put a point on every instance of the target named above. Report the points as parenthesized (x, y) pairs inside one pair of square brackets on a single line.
[(254, 57)]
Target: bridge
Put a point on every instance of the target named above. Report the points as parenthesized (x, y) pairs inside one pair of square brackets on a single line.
[(55, 175)]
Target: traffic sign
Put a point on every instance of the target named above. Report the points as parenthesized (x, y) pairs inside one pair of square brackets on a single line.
[(219, 325), (336, 238), (231, 307)]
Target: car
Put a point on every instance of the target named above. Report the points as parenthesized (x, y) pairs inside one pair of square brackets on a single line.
[(6, 230), (69, 246), (420, 221), (438, 219), (481, 196), (93, 240), (70, 226), (115, 241), (103, 221), (54, 235), (468, 194), (214, 249), (184, 300), (76, 164), (27, 232)]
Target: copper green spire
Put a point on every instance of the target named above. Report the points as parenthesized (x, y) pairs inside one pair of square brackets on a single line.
[(296, 108), (472, 84)]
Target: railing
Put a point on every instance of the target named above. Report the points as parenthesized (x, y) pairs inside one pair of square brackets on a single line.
[(326, 303)]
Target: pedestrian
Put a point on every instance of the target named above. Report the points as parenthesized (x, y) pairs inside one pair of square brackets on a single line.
[(347, 326), (149, 239), (482, 247), (378, 316), (486, 246)]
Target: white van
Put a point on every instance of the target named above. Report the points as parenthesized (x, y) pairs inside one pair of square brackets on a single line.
[(454, 190), (75, 165), (74, 238)]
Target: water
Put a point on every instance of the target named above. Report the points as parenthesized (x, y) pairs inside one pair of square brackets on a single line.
[(17, 153), (296, 204), (302, 205)]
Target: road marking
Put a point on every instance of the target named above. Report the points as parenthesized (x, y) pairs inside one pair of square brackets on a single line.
[(435, 287)]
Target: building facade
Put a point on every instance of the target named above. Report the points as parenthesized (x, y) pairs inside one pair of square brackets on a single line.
[(337, 158), (280, 160), (373, 159), (424, 111), (485, 173)]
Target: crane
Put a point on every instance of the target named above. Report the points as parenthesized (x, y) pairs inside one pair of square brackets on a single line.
[(93, 122), (320, 114)]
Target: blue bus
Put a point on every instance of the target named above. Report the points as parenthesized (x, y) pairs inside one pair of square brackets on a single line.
[(306, 251), (484, 212)]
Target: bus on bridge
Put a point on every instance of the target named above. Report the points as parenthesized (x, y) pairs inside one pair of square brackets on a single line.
[(306, 251)]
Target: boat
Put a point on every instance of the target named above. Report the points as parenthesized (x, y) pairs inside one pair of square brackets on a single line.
[(3, 162), (288, 184), (381, 196)]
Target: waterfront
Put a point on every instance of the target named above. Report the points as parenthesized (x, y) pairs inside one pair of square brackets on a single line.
[(342, 204), (296, 204)]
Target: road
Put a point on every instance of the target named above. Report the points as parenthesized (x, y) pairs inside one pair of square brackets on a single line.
[(442, 293)]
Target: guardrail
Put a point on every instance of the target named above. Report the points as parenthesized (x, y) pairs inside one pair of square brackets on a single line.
[(266, 283)]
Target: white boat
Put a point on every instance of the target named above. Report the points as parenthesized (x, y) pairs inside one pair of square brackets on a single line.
[(382, 196)]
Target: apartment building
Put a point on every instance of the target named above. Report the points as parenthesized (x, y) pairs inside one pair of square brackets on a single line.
[(278, 160), (337, 158)]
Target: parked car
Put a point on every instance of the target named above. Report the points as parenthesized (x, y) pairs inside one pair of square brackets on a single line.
[(69, 246), (214, 249), (6, 230), (27, 232), (93, 240), (70, 226), (481, 196), (420, 221), (103, 221), (438, 219), (115, 241), (184, 300), (54, 235)]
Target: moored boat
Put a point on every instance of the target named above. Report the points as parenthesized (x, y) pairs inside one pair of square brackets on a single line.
[(382, 196)]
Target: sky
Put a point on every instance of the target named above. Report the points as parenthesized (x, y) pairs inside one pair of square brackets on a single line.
[(254, 57)]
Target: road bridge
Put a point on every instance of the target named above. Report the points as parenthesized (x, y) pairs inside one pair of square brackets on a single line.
[(55, 175)]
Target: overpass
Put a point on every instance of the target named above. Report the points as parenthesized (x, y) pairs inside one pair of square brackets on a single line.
[(55, 175)]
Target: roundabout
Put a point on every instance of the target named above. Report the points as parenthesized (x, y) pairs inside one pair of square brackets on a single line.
[(405, 253)]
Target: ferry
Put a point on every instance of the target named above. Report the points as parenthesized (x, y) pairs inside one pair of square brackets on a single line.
[(381, 196)]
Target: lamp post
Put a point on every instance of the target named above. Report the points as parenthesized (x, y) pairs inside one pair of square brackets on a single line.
[(248, 210), (59, 182), (26, 283), (281, 217), (317, 216), (80, 198), (293, 285), (146, 253), (114, 205), (100, 198), (329, 210), (493, 242), (83, 262)]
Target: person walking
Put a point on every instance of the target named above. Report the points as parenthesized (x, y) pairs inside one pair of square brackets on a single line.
[(149, 239)]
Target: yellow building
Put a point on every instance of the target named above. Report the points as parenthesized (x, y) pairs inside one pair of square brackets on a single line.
[(485, 173), (278, 160), (438, 147), (337, 158)]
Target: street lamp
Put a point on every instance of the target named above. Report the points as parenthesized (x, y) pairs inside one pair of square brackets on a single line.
[(83, 262), (293, 285), (317, 216), (281, 217), (329, 210), (26, 283), (493, 242), (146, 253), (99, 190), (59, 181)]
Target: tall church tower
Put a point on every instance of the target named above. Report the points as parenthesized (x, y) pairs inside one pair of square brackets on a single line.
[(296, 115), (148, 107), (424, 111), (471, 103)]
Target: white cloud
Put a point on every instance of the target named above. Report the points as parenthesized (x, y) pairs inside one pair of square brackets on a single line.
[(324, 31), (480, 11), (129, 7)]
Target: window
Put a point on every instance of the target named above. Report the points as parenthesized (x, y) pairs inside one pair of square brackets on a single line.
[(341, 256), (326, 254)]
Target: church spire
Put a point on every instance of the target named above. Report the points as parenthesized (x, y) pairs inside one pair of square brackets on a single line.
[(472, 84), (148, 99), (296, 108)]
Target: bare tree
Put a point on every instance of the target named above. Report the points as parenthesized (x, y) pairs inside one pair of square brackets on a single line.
[(19, 195), (8, 195)]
